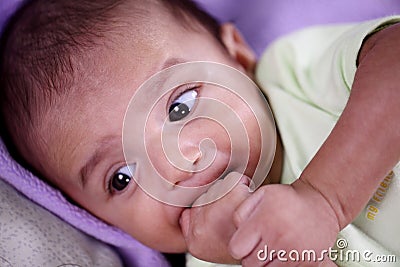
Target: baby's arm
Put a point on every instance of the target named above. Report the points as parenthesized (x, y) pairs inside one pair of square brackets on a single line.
[(365, 144), (336, 185)]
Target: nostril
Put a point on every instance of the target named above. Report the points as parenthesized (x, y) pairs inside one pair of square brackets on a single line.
[(196, 158)]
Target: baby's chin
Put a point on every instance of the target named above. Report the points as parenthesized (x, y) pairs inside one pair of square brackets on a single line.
[(173, 242), (177, 244)]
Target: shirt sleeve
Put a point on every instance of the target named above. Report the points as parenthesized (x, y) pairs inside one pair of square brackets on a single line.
[(307, 77), (317, 65)]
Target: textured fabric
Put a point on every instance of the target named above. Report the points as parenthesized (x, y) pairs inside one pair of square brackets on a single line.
[(31, 236), (307, 77)]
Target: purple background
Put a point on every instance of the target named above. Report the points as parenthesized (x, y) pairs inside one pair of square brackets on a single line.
[(262, 21)]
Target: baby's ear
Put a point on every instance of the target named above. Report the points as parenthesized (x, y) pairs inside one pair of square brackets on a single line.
[(237, 46)]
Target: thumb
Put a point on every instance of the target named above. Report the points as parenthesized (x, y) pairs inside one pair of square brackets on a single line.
[(248, 206), (244, 240)]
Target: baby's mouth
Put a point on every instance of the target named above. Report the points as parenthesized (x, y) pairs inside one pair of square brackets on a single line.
[(222, 186), (198, 184), (199, 180)]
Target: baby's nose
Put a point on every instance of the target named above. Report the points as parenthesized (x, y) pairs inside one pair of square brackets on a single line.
[(199, 153), (191, 151), (185, 166)]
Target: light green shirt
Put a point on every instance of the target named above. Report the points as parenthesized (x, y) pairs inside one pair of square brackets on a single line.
[(307, 77)]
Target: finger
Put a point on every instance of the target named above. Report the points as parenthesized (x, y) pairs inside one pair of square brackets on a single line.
[(263, 255), (248, 235), (244, 211), (222, 188), (258, 257), (193, 221), (243, 242), (223, 209)]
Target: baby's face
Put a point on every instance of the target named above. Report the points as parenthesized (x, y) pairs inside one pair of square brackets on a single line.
[(85, 154)]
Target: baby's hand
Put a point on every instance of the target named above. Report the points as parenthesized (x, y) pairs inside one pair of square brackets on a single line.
[(284, 217), (208, 229)]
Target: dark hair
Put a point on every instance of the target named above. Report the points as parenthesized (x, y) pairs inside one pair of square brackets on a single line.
[(41, 45)]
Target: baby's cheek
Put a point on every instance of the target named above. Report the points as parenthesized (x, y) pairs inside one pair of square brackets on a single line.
[(152, 223)]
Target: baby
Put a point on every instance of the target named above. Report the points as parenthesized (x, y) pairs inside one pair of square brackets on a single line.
[(69, 70), (64, 99)]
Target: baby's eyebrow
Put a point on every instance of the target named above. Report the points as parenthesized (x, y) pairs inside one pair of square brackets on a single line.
[(102, 148), (172, 61)]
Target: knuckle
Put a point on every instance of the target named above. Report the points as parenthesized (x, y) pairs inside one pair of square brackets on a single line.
[(197, 233)]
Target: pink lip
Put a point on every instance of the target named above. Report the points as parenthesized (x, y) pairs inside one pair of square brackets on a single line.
[(199, 179)]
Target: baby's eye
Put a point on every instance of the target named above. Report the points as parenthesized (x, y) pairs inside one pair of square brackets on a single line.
[(121, 178), (182, 106)]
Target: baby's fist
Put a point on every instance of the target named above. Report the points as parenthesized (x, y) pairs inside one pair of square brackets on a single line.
[(207, 229)]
